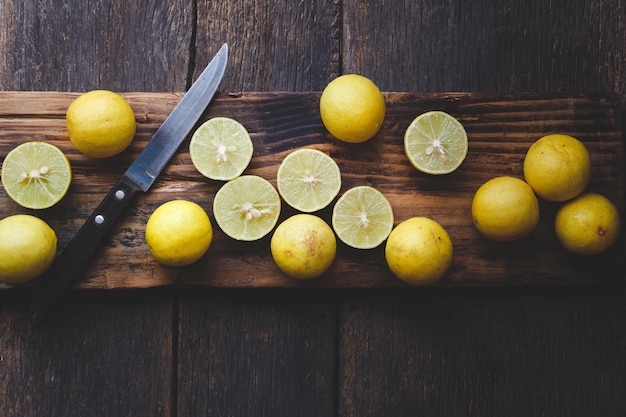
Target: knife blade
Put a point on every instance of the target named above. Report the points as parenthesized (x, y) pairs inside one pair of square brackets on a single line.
[(139, 176)]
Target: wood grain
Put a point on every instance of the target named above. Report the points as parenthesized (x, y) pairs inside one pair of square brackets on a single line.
[(500, 130), (400, 351), (280, 357), (503, 352)]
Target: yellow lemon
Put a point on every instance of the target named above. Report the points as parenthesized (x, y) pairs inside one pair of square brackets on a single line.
[(505, 209), (303, 246), (419, 251), (557, 167), (100, 123), (588, 224), (352, 108), (28, 247), (179, 233)]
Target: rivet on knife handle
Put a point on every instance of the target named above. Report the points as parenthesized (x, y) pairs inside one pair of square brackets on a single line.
[(80, 249), (138, 177)]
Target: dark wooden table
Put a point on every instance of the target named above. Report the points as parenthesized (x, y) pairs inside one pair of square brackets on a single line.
[(186, 351)]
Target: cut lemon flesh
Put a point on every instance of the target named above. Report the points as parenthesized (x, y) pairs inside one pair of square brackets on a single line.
[(246, 208), (36, 175), (221, 149), (435, 143), (362, 217), (308, 180)]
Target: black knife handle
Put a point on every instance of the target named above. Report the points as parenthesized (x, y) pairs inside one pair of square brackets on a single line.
[(53, 284)]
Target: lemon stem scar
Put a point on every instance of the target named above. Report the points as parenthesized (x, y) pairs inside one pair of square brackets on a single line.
[(249, 212), (34, 175)]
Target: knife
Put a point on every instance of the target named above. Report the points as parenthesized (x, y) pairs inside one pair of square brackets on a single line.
[(138, 177)]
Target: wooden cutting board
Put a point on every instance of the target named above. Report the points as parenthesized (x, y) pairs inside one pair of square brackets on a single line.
[(500, 130)]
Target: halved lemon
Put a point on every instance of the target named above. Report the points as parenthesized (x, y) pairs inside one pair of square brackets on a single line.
[(308, 179), (221, 149), (362, 217), (246, 208), (36, 175), (436, 143)]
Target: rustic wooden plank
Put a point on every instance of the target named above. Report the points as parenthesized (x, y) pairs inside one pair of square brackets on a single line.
[(276, 348), (117, 45), (500, 46), (273, 45), (500, 130), (261, 352), (482, 352), (104, 353), (476, 352)]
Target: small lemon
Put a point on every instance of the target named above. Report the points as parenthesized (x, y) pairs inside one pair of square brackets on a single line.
[(557, 167), (179, 233), (588, 224), (100, 123), (352, 108), (419, 251), (28, 247), (505, 209), (303, 246)]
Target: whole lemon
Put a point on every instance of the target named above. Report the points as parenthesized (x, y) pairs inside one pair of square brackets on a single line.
[(588, 224), (352, 108), (28, 246), (100, 123), (557, 167), (419, 251), (303, 246), (179, 233), (505, 209)]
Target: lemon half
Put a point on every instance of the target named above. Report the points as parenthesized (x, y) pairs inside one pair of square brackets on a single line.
[(36, 175), (436, 143), (308, 180), (362, 217), (221, 149), (246, 208)]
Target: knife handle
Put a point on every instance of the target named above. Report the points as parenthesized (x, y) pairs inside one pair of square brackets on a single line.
[(66, 267)]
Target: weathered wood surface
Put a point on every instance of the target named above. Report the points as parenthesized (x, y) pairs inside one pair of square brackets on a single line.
[(189, 350), (500, 130)]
